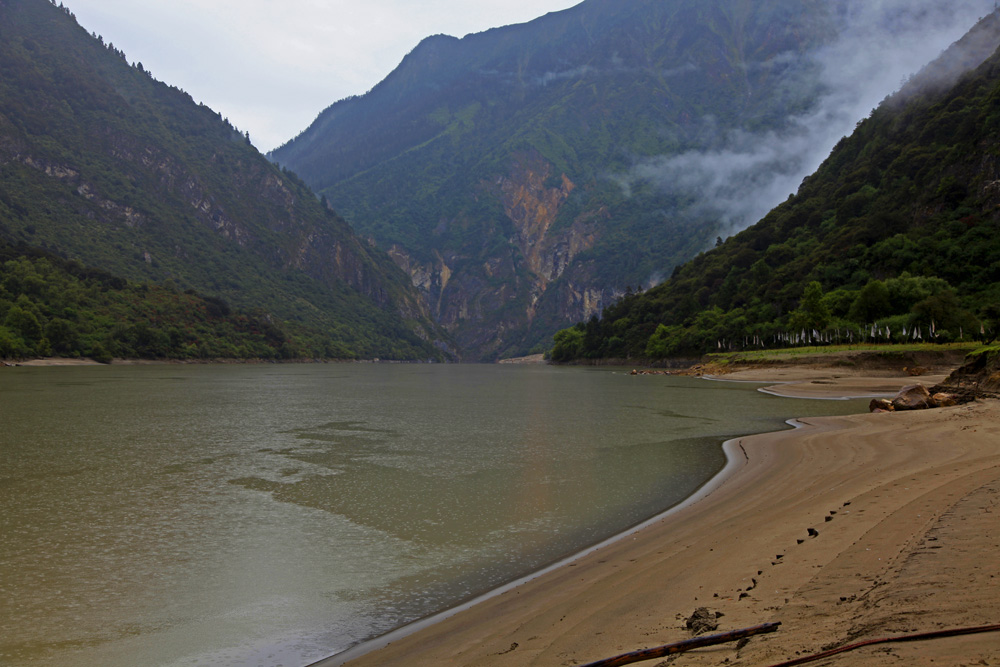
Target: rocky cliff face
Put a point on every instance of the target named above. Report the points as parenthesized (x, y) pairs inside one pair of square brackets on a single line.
[(483, 163), (484, 294), (597, 147), (303, 246), (532, 205)]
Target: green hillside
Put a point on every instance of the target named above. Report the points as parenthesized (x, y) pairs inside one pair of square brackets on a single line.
[(896, 237), (54, 307), (482, 163), (492, 167), (101, 163)]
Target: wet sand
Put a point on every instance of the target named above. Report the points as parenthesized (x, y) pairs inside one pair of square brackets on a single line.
[(846, 529)]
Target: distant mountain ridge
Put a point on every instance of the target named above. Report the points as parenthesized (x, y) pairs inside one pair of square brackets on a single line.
[(896, 238), (499, 170), (104, 164)]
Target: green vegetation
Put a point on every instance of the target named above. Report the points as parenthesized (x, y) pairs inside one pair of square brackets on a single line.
[(896, 238), (584, 93), (53, 307), (885, 350), (101, 163)]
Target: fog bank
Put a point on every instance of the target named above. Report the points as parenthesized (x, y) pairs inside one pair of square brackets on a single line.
[(883, 43)]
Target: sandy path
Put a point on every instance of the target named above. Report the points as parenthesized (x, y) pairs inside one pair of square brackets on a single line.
[(906, 507)]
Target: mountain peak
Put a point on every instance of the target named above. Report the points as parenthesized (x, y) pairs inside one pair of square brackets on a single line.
[(677, 120), (101, 163)]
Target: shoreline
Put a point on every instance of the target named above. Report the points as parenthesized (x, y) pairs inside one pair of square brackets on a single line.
[(59, 362), (791, 515), (735, 456)]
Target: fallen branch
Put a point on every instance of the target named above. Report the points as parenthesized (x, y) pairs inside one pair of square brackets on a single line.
[(686, 645), (887, 640)]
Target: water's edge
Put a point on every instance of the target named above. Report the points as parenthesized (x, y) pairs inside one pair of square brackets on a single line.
[(308, 515), (736, 458)]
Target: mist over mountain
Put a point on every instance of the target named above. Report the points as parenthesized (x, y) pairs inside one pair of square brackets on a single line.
[(104, 165), (525, 177), (878, 47), (895, 238)]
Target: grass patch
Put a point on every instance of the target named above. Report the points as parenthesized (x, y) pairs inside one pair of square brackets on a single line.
[(791, 354)]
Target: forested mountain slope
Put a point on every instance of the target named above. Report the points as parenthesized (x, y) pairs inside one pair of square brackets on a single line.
[(101, 163), (515, 174), (895, 237), (50, 306)]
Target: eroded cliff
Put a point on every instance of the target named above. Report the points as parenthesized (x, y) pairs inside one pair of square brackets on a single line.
[(488, 294)]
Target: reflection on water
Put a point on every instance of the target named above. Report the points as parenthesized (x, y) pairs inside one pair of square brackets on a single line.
[(244, 515)]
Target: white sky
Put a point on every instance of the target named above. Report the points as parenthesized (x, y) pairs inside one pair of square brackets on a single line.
[(271, 66)]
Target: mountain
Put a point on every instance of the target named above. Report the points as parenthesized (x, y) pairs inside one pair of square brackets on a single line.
[(896, 237), (51, 306), (522, 176), (101, 163)]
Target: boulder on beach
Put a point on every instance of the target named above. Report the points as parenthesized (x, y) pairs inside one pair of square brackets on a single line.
[(881, 405), (912, 397), (943, 400)]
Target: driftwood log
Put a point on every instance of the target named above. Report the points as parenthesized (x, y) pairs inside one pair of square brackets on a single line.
[(686, 645), (923, 636)]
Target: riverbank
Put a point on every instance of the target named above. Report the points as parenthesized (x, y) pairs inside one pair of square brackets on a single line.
[(819, 382), (845, 529), (70, 361), (60, 361)]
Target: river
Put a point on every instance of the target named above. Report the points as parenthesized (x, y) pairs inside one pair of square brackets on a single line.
[(277, 514)]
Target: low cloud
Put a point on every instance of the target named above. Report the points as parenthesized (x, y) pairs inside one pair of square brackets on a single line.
[(745, 175), (615, 68)]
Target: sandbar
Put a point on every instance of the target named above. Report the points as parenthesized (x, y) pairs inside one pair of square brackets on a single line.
[(54, 362), (845, 529)]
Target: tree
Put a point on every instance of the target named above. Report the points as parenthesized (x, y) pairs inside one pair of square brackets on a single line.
[(991, 322), (871, 303), (23, 322), (568, 344), (663, 341), (812, 313), (944, 312)]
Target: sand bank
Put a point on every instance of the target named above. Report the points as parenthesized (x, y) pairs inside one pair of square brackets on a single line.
[(846, 529), (54, 362), (828, 383)]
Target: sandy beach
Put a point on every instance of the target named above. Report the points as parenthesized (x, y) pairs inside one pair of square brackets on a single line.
[(55, 362), (845, 529)]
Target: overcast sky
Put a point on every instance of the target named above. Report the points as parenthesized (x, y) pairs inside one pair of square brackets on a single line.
[(271, 66)]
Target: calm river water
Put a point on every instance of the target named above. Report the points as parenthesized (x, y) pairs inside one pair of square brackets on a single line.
[(275, 515)]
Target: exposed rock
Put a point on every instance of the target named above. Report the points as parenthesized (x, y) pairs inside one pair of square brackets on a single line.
[(881, 405), (532, 206), (915, 397), (488, 295), (912, 397), (979, 377), (942, 400), (703, 620)]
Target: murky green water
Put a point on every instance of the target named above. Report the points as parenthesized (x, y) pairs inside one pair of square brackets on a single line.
[(275, 515)]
